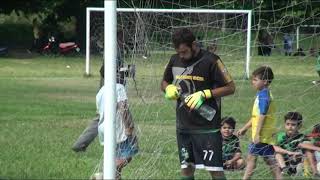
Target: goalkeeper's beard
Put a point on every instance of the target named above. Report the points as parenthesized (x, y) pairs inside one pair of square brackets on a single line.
[(193, 52)]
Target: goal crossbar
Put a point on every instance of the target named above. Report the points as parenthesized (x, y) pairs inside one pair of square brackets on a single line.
[(220, 11)]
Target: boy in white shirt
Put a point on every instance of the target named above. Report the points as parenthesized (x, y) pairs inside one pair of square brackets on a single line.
[(127, 145)]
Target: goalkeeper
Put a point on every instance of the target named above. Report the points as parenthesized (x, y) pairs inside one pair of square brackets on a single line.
[(204, 77)]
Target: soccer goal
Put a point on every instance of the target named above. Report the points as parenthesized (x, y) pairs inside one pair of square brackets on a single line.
[(144, 38), (148, 31), (298, 32)]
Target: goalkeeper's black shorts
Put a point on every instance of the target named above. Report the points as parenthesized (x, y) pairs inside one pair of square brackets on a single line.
[(204, 151)]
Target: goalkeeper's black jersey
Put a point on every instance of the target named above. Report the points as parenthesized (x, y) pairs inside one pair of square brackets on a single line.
[(206, 71)]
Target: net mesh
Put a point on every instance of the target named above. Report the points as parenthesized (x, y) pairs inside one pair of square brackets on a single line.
[(144, 39)]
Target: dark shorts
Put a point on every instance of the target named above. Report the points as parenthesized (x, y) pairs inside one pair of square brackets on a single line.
[(204, 151), (127, 148), (261, 149)]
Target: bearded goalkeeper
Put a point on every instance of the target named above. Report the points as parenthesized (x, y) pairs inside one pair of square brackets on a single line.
[(204, 77)]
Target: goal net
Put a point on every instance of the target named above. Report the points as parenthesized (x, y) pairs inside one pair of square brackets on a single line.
[(144, 40), (142, 31)]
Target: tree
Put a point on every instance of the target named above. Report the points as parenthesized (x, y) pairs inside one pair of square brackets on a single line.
[(65, 9), (55, 10), (277, 13)]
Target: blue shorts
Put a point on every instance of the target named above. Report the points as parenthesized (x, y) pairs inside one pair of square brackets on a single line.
[(261, 149), (127, 148)]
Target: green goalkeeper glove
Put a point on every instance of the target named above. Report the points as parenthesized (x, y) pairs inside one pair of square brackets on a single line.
[(195, 100), (172, 92)]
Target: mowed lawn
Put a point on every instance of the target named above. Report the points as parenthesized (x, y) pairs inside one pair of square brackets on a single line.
[(44, 106)]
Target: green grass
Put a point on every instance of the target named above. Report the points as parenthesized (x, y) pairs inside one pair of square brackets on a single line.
[(44, 106)]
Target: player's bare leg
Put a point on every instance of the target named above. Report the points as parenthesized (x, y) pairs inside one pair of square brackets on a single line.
[(280, 160), (121, 163), (274, 167), (251, 165), (217, 175), (312, 161), (188, 173)]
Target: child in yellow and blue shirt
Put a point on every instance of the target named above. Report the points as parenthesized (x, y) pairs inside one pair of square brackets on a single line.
[(262, 123)]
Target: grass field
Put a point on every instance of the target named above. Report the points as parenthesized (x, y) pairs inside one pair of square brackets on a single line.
[(44, 106)]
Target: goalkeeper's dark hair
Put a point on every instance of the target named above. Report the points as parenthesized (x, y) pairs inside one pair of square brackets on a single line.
[(294, 116), (183, 36), (229, 120), (264, 73)]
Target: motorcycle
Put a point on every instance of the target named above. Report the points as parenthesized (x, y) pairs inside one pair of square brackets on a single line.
[(59, 48)]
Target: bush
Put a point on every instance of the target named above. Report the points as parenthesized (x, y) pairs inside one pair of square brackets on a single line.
[(16, 29), (16, 35)]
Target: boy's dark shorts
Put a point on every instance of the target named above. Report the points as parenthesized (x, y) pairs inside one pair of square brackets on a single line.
[(261, 149), (204, 151)]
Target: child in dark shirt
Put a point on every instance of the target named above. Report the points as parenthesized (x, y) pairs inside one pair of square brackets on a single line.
[(294, 141), (231, 153)]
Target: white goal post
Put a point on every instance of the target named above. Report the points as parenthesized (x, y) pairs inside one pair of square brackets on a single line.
[(198, 11), (298, 32)]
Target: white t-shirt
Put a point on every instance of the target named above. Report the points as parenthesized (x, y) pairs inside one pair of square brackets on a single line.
[(120, 128)]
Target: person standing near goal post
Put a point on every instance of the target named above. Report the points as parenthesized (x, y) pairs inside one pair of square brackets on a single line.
[(91, 131), (195, 77), (126, 137)]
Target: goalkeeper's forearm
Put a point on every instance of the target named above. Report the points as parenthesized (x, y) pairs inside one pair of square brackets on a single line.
[(224, 90)]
